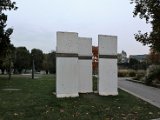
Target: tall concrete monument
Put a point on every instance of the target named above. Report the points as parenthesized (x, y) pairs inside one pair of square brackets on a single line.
[(85, 64), (67, 65), (74, 65), (107, 65)]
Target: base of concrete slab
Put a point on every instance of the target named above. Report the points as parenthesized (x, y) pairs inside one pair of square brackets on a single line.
[(86, 92), (66, 95), (95, 91), (107, 94)]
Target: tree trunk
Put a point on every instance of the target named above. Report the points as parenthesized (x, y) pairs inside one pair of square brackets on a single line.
[(46, 72), (9, 71), (2, 71)]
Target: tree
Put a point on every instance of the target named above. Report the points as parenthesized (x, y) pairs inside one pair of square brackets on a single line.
[(5, 44), (52, 62), (22, 59), (133, 63), (7, 62), (37, 56), (5, 34), (45, 63), (154, 57), (95, 59), (150, 11)]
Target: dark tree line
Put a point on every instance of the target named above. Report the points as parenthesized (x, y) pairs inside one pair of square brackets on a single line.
[(22, 59)]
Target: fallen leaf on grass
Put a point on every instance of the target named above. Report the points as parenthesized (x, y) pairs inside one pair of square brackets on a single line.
[(124, 118), (15, 114), (123, 114), (77, 114), (47, 111), (107, 119), (107, 109), (61, 110), (150, 113), (139, 108), (135, 112)]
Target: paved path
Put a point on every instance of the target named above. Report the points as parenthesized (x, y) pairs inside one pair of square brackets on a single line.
[(149, 94)]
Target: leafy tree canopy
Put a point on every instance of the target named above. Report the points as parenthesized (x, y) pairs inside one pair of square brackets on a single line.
[(52, 62), (22, 59), (37, 55), (154, 57), (5, 33), (150, 11)]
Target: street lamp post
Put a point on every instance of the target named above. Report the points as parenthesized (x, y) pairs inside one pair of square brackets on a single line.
[(10, 62), (33, 67)]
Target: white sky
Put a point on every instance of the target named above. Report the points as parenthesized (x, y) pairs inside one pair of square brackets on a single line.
[(36, 21)]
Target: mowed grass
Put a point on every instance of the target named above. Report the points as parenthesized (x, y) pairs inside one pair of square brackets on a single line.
[(36, 101)]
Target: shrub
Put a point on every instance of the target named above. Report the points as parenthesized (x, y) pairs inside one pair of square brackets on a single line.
[(126, 73), (122, 74), (139, 76), (132, 74), (153, 75)]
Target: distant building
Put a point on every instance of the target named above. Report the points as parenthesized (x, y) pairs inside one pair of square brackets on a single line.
[(140, 58)]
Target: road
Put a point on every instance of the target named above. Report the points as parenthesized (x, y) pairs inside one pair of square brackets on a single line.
[(149, 94)]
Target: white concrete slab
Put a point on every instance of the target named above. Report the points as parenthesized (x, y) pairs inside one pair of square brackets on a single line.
[(107, 65), (108, 77), (67, 42), (85, 64), (67, 67), (85, 76), (107, 45), (84, 46), (67, 77)]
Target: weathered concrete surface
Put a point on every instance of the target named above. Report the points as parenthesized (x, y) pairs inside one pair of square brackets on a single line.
[(85, 64), (147, 93), (85, 76), (67, 67), (67, 42), (107, 84)]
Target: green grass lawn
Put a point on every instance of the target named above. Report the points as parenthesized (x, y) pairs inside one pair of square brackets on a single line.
[(35, 101)]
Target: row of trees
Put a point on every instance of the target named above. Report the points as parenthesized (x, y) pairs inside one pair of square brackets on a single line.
[(138, 65), (21, 60), (152, 58)]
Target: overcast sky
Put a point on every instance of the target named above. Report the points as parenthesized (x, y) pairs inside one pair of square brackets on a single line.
[(36, 21)]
